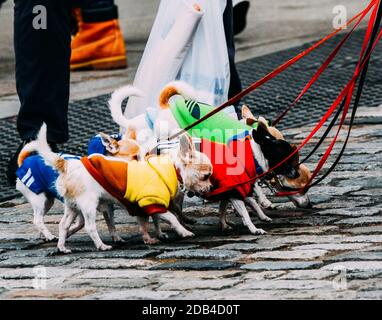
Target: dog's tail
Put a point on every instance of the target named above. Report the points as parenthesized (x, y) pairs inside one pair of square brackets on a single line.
[(51, 159), (115, 104), (174, 88), (26, 152)]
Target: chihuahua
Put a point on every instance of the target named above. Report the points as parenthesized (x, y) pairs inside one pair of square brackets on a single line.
[(165, 125), (301, 200), (83, 193), (36, 181)]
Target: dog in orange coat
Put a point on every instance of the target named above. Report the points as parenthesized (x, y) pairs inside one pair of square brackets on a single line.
[(83, 190)]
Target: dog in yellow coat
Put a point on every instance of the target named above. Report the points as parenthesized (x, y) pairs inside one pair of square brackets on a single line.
[(150, 184), (83, 185)]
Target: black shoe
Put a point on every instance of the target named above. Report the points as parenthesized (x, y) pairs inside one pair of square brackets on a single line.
[(12, 164), (240, 12)]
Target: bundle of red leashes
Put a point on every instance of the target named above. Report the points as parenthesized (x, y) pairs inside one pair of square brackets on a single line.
[(341, 103)]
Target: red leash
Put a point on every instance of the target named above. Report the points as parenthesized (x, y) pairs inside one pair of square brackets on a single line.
[(360, 66), (322, 68), (346, 92), (348, 98), (274, 73)]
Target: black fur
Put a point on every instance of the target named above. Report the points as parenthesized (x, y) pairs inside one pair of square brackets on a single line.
[(275, 151)]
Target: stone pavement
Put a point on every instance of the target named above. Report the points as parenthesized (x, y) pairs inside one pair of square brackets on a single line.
[(333, 251)]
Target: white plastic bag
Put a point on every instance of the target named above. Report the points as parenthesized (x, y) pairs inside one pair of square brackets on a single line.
[(187, 45), (206, 66)]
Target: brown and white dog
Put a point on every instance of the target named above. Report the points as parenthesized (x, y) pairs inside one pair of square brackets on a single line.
[(42, 200), (83, 193)]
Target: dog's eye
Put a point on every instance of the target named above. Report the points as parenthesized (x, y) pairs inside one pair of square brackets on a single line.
[(206, 177)]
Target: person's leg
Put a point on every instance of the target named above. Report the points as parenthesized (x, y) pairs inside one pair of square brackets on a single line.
[(99, 43), (240, 12), (42, 68), (42, 71), (235, 83)]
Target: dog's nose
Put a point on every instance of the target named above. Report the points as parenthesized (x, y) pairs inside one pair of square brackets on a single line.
[(293, 174)]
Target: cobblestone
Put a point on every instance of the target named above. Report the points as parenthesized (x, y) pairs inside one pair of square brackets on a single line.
[(357, 256), (200, 253), (302, 256), (195, 265), (281, 265), (289, 255)]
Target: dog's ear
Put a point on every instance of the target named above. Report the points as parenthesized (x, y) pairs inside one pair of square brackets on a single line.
[(276, 133), (263, 122), (186, 145), (247, 114), (109, 143)]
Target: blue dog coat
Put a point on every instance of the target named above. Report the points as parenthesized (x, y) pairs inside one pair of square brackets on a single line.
[(35, 174), (39, 177), (96, 146)]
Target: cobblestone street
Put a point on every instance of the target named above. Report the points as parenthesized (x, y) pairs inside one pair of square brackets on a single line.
[(331, 251)]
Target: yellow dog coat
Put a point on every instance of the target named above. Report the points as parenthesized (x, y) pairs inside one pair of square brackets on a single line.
[(147, 186)]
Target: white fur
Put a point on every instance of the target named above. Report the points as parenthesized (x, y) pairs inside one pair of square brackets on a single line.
[(116, 100), (83, 194), (41, 203), (145, 137), (184, 89)]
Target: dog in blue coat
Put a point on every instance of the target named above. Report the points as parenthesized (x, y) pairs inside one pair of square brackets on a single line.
[(37, 181)]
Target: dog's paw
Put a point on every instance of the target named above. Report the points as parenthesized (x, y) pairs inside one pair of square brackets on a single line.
[(48, 238), (105, 247), (151, 241), (117, 239), (187, 234), (257, 231), (64, 250), (266, 219), (51, 239), (225, 227)]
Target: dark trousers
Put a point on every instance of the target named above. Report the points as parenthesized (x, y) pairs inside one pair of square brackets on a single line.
[(42, 68), (43, 62), (235, 83), (43, 65)]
